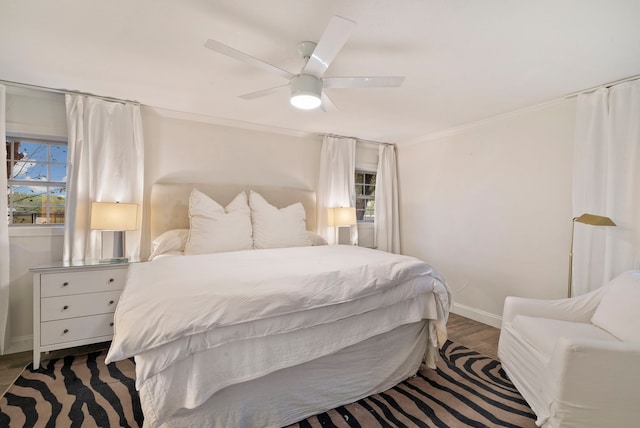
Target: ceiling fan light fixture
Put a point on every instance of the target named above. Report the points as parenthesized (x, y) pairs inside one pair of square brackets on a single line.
[(306, 92)]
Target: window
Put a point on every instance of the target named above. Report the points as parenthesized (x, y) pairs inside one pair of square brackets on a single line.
[(37, 181), (365, 196)]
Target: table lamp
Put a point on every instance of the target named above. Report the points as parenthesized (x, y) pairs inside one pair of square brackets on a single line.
[(341, 217), (117, 218)]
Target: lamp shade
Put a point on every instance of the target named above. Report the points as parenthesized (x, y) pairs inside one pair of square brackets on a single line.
[(592, 220), (342, 216), (114, 216), (595, 220)]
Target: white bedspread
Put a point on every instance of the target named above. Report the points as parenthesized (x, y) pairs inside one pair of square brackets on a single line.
[(254, 312)]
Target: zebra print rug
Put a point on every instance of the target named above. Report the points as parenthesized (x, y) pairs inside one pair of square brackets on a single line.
[(466, 390)]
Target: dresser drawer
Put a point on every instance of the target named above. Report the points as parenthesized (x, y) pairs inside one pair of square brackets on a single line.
[(67, 283), (78, 305), (71, 329)]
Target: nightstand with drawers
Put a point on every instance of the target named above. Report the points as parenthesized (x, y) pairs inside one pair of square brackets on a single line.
[(73, 304)]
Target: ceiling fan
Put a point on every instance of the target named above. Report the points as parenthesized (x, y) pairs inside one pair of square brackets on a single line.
[(307, 86)]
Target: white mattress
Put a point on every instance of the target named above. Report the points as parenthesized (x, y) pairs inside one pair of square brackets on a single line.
[(255, 312)]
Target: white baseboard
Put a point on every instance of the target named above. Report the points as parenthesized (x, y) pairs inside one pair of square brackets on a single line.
[(19, 344), (477, 315)]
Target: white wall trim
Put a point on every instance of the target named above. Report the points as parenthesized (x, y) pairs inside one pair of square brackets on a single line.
[(19, 344), (477, 315), (233, 123), (15, 231), (482, 122)]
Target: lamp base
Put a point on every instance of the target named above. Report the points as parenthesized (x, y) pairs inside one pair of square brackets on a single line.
[(114, 260)]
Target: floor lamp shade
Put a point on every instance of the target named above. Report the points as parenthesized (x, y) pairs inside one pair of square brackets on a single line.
[(592, 220), (116, 217)]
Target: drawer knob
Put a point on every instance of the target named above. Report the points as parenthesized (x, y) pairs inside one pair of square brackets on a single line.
[(64, 284), (111, 324), (65, 307), (111, 302), (111, 280), (65, 331)]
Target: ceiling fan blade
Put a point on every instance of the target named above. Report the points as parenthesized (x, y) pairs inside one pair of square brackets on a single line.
[(327, 105), (241, 56), (332, 40), (362, 82), (262, 93)]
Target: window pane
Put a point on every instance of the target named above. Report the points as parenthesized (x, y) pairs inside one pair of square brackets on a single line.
[(27, 203), (58, 153), (370, 211), (57, 196), (358, 189), (369, 190), (359, 178), (370, 179), (58, 172), (32, 151), (29, 171)]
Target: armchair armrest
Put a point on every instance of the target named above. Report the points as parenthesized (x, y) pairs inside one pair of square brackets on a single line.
[(578, 309), (591, 374)]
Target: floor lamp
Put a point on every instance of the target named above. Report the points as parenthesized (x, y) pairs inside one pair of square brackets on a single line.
[(590, 219)]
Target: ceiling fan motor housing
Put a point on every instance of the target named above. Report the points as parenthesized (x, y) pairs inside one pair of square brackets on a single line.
[(306, 91)]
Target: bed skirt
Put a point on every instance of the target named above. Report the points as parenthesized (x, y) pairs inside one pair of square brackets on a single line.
[(295, 393)]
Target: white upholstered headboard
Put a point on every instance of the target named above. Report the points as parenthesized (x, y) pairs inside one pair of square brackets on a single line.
[(170, 202)]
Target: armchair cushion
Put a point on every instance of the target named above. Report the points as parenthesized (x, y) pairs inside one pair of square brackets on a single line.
[(543, 333), (618, 311)]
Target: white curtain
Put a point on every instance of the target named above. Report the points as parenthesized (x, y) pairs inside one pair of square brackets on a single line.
[(336, 186), (4, 232), (105, 164), (387, 222), (606, 181)]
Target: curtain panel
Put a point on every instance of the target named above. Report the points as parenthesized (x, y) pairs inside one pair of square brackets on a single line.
[(336, 184), (606, 181), (4, 232), (105, 164), (387, 221)]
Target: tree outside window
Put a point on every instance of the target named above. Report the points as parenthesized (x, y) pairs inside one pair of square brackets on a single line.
[(36, 178), (365, 182)]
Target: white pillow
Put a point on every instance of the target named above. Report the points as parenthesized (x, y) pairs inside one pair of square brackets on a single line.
[(277, 228), (216, 229), (618, 312), (168, 242)]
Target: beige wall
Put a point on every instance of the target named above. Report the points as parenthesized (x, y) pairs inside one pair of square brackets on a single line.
[(196, 151), (489, 205)]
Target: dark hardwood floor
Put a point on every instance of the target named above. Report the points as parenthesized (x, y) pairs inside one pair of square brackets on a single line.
[(475, 335), (472, 334)]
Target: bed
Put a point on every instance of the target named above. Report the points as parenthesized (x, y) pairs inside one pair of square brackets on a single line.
[(232, 336)]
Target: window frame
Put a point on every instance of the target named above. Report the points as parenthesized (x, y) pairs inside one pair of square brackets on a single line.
[(364, 196), (48, 184)]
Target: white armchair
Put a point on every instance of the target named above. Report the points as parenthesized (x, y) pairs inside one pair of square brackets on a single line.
[(577, 361)]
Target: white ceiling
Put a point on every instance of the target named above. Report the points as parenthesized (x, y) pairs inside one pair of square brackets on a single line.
[(464, 60)]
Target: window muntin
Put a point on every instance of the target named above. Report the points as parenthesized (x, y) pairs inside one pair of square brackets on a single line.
[(365, 182), (36, 178)]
